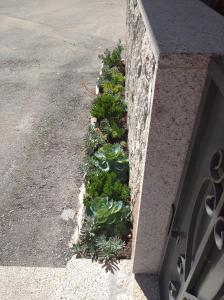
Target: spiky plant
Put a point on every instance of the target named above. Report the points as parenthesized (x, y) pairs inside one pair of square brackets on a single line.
[(87, 246), (109, 249), (94, 139)]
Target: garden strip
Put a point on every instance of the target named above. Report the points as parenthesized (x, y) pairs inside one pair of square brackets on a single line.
[(105, 235)]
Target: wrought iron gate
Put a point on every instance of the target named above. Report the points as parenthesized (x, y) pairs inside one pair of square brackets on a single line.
[(193, 266)]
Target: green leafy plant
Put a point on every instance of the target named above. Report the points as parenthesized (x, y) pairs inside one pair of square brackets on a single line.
[(111, 75), (109, 184), (111, 81), (109, 107), (86, 246), (106, 250), (106, 211), (113, 89), (94, 139), (112, 158), (88, 165), (115, 188), (107, 221), (112, 130), (89, 229), (112, 58), (109, 249), (110, 217), (81, 250)]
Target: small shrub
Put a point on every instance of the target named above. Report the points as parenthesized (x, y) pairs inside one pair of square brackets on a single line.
[(111, 75), (107, 183), (111, 81), (115, 188), (112, 58), (113, 89), (112, 130), (109, 107)]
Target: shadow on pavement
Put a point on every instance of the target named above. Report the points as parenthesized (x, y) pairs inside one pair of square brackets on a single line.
[(149, 285)]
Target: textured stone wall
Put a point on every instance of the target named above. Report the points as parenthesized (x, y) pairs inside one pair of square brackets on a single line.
[(141, 69)]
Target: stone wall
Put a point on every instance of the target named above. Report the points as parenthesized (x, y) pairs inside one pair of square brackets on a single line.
[(141, 70)]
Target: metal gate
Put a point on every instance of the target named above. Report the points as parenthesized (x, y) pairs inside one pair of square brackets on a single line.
[(193, 265)]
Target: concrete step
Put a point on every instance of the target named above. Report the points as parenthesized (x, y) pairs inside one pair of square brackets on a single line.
[(81, 279)]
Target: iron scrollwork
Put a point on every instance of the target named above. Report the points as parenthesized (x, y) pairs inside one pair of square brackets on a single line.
[(207, 204), (219, 233)]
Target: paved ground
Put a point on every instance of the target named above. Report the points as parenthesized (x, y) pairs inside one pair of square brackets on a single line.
[(80, 280), (47, 49)]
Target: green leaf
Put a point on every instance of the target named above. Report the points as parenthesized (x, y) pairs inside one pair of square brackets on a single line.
[(106, 106), (106, 211)]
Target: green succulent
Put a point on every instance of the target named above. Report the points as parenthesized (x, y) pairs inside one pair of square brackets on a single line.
[(111, 81), (81, 250), (109, 184), (112, 158), (106, 211), (113, 89), (109, 249), (94, 139), (113, 131), (107, 106), (102, 249), (107, 220), (88, 166), (111, 75)]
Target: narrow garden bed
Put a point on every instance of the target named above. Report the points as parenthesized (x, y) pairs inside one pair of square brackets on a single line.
[(106, 231)]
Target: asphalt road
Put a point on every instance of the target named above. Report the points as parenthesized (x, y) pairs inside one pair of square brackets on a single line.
[(48, 67)]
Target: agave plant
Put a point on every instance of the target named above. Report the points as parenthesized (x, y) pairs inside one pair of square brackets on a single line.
[(112, 158), (107, 211)]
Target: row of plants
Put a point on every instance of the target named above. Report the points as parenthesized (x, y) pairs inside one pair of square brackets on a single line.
[(106, 231)]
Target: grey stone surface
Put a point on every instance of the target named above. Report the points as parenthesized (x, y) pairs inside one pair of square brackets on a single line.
[(141, 70), (146, 286), (176, 100), (179, 26), (49, 52), (165, 79), (82, 279)]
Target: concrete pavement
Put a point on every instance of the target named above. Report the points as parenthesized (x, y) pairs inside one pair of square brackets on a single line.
[(48, 56), (80, 280)]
